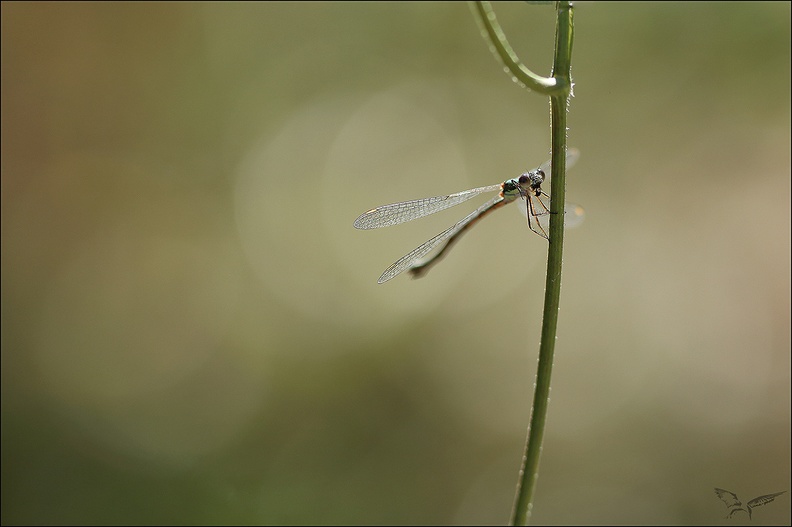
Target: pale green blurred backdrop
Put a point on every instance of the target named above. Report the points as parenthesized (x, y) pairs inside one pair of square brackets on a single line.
[(192, 331)]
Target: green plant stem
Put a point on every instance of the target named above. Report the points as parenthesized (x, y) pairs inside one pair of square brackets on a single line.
[(558, 87), (487, 19)]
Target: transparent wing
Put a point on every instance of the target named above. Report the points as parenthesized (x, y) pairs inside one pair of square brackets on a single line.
[(573, 154), (404, 211), (406, 261)]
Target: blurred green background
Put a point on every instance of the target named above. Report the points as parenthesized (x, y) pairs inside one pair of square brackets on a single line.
[(192, 331)]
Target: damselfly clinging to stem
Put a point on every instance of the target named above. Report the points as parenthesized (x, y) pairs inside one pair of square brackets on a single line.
[(528, 187)]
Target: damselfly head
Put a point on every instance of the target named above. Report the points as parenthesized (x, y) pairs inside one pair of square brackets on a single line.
[(532, 180)]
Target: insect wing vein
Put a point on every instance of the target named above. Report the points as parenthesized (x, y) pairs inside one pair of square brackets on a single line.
[(405, 211)]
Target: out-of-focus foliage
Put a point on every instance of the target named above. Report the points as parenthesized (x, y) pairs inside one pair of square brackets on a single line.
[(192, 331)]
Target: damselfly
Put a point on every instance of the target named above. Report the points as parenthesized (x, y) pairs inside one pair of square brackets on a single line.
[(528, 187)]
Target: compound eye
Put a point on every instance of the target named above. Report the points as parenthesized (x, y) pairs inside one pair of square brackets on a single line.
[(540, 173)]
